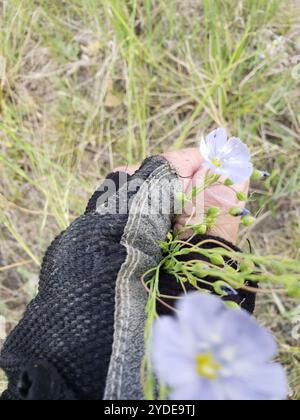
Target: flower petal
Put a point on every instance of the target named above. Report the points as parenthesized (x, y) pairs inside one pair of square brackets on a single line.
[(259, 382), (173, 361), (201, 390), (235, 149), (216, 141), (238, 172), (236, 390), (269, 380), (253, 343), (204, 150), (198, 313)]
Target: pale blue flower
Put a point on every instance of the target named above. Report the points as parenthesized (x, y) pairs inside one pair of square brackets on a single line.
[(229, 158), (210, 352)]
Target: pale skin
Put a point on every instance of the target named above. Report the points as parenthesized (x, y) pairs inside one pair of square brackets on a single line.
[(189, 166)]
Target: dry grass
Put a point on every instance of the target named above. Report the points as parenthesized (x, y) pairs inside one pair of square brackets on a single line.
[(88, 85)]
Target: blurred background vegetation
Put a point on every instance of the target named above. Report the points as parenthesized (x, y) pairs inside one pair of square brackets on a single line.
[(87, 85)]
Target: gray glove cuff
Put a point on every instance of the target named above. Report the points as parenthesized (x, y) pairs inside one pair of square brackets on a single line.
[(150, 216)]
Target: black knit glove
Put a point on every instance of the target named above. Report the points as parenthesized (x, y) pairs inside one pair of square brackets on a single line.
[(82, 336)]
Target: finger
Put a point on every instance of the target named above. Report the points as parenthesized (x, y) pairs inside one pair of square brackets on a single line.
[(227, 226), (219, 196), (186, 162)]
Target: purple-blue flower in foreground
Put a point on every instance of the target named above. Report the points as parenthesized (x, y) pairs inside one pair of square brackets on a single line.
[(229, 158), (210, 352)]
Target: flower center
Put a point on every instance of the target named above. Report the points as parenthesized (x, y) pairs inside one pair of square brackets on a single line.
[(216, 162), (206, 366)]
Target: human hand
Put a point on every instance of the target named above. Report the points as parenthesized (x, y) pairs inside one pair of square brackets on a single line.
[(189, 166)]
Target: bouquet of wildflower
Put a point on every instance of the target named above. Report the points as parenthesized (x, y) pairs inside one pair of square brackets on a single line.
[(211, 349)]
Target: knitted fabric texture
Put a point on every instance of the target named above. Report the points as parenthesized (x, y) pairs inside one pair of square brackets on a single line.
[(70, 324)]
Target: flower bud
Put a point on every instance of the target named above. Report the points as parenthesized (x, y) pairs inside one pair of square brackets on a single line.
[(259, 175), (164, 246), (178, 266), (232, 305), (241, 196), (228, 183), (200, 229), (170, 237), (256, 176), (236, 211), (248, 220), (247, 267), (223, 289), (168, 265), (278, 268), (210, 221), (217, 260), (201, 270), (213, 212), (230, 269)]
